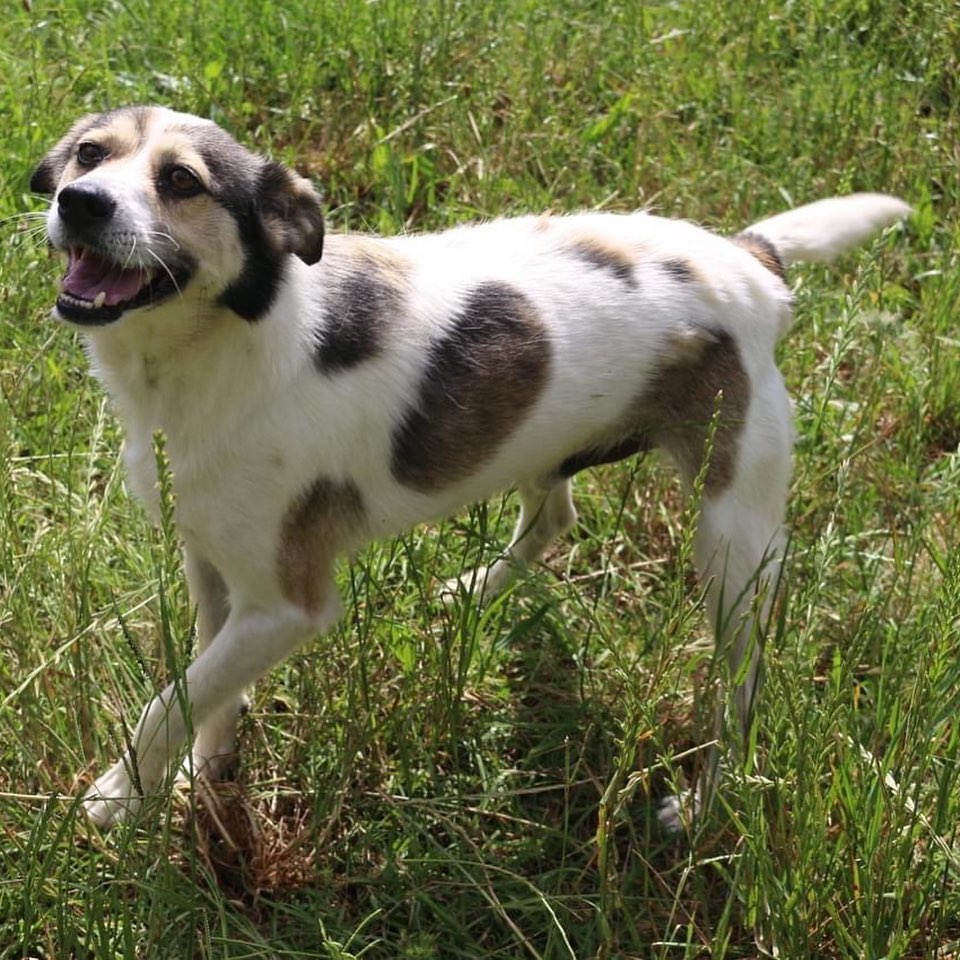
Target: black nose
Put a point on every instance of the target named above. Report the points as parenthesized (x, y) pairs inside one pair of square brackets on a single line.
[(84, 204)]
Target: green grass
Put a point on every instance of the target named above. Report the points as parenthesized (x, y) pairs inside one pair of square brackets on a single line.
[(433, 783)]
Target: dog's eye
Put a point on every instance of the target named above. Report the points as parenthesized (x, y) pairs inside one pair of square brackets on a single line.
[(182, 181), (90, 154)]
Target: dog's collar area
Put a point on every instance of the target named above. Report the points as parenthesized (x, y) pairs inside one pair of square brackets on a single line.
[(96, 291)]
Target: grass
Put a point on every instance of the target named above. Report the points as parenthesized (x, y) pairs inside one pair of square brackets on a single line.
[(454, 783)]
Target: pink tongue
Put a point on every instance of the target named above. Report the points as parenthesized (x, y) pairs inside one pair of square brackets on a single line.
[(87, 275)]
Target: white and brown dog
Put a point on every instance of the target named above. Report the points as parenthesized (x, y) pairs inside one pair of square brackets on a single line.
[(311, 403)]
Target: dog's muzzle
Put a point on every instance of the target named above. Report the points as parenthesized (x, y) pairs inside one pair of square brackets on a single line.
[(96, 289)]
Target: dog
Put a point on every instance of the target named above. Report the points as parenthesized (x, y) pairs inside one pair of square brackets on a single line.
[(317, 392)]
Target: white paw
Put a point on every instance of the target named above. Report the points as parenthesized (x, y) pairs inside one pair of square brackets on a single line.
[(112, 797), (480, 585), (215, 744), (470, 584), (212, 763), (678, 811)]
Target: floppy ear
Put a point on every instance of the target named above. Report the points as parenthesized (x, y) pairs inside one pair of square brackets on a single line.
[(46, 176), (291, 212)]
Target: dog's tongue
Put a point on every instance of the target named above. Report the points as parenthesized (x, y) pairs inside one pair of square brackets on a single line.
[(87, 276)]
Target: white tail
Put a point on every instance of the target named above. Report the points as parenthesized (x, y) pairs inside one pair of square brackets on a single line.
[(822, 230)]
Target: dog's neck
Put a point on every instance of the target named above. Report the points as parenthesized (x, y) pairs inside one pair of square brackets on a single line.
[(195, 374), (148, 362), (165, 368)]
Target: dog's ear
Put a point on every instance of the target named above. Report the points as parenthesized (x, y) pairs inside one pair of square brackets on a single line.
[(291, 211), (46, 176)]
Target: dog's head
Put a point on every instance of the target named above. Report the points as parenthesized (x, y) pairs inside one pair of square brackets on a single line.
[(149, 205)]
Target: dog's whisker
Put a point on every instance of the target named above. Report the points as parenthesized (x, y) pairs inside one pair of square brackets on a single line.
[(163, 265), (23, 223), (25, 215), (32, 234), (131, 253), (161, 235), (32, 228), (36, 237)]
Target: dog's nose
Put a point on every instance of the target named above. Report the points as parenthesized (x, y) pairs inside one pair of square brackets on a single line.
[(83, 204)]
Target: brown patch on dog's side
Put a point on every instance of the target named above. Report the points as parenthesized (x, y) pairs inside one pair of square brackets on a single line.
[(319, 525), (679, 407), (763, 251), (676, 412), (603, 255), (481, 380), (366, 287)]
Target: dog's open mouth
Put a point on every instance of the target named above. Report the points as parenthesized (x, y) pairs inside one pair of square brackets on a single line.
[(98, 291)]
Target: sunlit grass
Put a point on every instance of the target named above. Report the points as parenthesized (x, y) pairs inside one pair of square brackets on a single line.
[(443, 781)]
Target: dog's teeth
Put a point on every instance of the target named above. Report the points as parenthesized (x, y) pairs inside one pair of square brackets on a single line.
[(100, 299)]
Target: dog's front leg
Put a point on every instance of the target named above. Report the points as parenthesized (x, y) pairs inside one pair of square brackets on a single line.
[(215, 739), (251, 641)]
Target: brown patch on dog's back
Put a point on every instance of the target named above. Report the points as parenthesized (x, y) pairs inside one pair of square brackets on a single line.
[(603, 255), (681, 270), (763, 251), (481, 379), (365, 288), (323, 522)]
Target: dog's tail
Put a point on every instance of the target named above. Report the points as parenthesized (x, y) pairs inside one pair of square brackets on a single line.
[(822, 230)]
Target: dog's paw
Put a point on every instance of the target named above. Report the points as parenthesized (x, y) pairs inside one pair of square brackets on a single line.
[(470, 585), (214, 752), (480, 585), (112, 797), (214, 765), (678, 811)]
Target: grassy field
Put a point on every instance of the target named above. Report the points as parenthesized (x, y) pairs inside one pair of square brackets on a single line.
[(450, 783)]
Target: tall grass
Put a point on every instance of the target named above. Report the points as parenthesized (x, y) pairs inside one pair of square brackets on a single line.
[(452, 782)]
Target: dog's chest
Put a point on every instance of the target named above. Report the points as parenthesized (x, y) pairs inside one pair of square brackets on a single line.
[(204, 403)]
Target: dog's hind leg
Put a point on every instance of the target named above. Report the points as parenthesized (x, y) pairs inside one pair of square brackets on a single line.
[(739, 551), (545, 513), (739, 545), (251, 641)]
